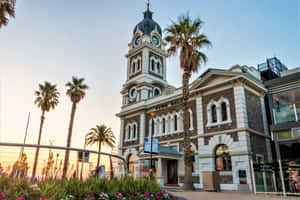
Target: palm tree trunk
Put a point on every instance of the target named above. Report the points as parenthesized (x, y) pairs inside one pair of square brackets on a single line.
[(38, 148), (98, 161), (111, 169), (65, 169), (188, 185)]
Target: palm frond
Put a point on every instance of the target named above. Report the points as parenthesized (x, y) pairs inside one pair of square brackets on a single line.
[(184, 36)]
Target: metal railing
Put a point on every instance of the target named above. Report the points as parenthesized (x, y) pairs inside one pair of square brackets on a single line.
[(51, 158)]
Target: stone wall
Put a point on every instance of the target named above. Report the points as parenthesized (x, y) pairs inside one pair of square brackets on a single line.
[(228, 94), (169, 108), (254, 112), (127, 121)]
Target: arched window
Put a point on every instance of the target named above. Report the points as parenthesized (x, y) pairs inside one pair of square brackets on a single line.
[(139, 65), (175, 123), (158, 67), (133, 67), (193, 158), (129, 133), (156, 91), (163, 125), (130, 164), (152, 65), (214, 113), (224, 111), (134, 131), (223, 158)]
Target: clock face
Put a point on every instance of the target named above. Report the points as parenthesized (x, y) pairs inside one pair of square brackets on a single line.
[(137, 41), (132, 92), (155, 40)]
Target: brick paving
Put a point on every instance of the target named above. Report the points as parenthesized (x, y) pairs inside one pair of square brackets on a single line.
[(224, 195)]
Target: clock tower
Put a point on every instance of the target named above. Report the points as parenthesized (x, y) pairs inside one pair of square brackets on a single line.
[(146, 62)]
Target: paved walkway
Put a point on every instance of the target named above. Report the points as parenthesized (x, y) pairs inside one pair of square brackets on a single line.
[(224, 195)]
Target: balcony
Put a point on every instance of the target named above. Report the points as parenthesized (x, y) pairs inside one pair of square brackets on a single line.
[(286, 113)]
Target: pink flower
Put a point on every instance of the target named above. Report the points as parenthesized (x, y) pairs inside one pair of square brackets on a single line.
[(44, 198), (1, 193)]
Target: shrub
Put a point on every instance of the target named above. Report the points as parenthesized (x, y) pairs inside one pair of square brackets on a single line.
[(92, 188)]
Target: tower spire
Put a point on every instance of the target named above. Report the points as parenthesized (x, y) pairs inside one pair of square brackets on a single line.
[(148, 4), (148, 13)]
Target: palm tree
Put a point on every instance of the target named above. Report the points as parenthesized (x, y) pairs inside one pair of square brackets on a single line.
[(76, 92), (46, 99), (103, 136), (7, 9), (185, 37)]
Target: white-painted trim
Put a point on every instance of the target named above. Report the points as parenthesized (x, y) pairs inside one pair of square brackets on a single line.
[(218, 105), (130, 134)]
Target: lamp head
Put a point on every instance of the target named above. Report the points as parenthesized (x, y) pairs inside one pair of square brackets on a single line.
[(152, 114)]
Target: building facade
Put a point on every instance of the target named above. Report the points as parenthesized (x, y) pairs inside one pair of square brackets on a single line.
[(284, 118), (227, 117)]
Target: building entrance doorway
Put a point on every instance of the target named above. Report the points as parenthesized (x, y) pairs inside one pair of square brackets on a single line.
[(172, 172)]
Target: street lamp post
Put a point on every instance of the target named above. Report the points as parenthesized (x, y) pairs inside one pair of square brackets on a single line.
[(83, 157), (152, 133)]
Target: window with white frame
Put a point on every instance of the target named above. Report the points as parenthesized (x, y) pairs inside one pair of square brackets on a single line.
[(131, 131), (155, 65), (136, 65), (218, 112)]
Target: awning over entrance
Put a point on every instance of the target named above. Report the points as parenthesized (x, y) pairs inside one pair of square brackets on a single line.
[(163, 152), (168, 150)]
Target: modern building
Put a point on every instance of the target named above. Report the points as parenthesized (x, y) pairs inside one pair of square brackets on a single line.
[(227, 117), (284, 111)]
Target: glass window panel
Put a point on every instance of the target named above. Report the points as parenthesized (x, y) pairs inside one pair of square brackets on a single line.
[(223, 159), (287, 97), (284, 135), (284, 113), (214, 113), (224, 111)]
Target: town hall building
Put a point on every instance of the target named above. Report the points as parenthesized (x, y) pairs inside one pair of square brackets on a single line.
[(228, 121)]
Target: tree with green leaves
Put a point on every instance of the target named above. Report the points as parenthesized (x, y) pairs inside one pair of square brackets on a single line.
[(7, 10), (76, 92), (46, 98), (185, 37), (103, 136)]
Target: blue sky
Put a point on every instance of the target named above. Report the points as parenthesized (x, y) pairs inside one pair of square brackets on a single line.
[(55, 40)]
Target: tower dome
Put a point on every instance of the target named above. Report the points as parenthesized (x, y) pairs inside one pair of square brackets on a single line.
[(147, 25)]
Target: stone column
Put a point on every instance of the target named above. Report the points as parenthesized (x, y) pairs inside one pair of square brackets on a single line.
[(142, 127), (128, 68), (164, 68), (160, 178), (264, 115), (145, 62), (121, 133), (199, 113), (240, 106)]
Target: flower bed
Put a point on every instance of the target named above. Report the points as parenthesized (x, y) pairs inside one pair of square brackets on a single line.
[(74, 189), (104, 196)]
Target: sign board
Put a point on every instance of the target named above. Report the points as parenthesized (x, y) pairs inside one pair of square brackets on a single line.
[(147, 145), (242, 176), (296, 132), (265, 167), (83, 156)]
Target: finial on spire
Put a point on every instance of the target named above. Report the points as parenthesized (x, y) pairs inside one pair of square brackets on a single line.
[(148, 4)]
